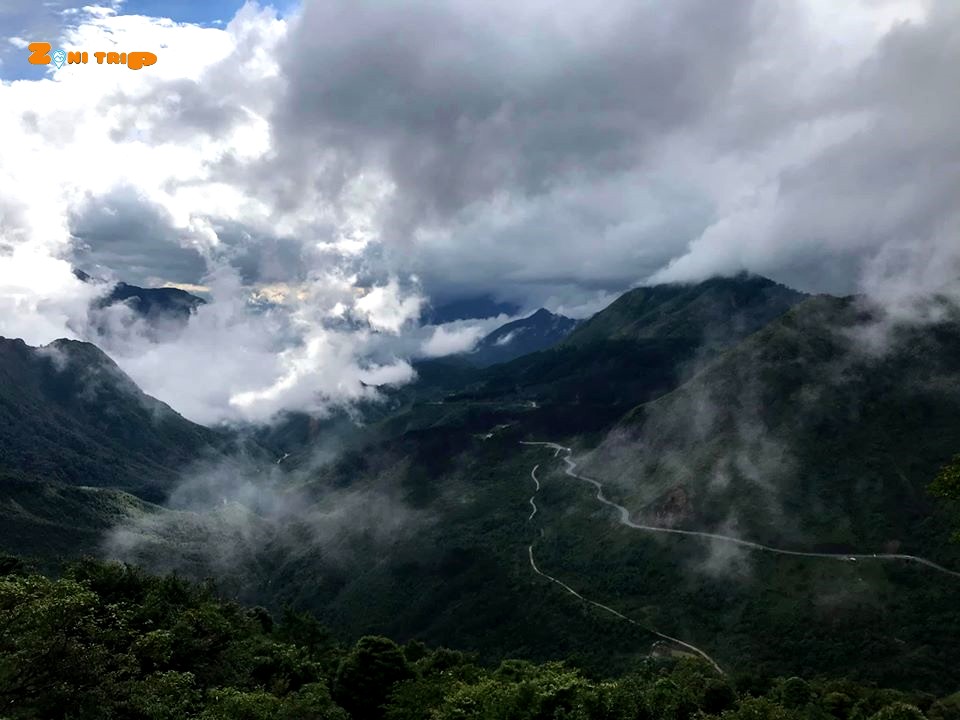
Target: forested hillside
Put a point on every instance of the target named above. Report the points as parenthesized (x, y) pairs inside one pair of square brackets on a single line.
[(107, 641)]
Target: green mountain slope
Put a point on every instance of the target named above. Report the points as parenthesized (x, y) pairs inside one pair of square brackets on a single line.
[(68, 414), (797, 437), (713, 312), (806, 429)]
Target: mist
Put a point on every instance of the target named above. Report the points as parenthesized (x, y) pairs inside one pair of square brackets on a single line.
[(241, 520), (755, 442)]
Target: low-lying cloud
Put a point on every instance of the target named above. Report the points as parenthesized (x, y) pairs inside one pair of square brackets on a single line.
[(226, 519)]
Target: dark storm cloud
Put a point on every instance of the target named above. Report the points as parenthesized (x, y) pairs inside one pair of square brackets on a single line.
[(135, 239), (126, 233), (558, 153), (457, 102), (259, 258), (876, 208)]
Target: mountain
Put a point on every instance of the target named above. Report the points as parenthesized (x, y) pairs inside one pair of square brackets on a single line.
[(819, 432), (68, 414), (83, 449), (829, 424), (714, 312), (816, 432), (539, 331), (154, 303), (165, 309), (733, 407), (641, 346)]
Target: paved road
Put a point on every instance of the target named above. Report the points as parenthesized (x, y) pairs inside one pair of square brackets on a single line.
[(624, 517), (607, 608)]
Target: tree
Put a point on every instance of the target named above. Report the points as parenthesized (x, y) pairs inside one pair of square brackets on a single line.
[(60, 651), (233, 704), (899, 711), (795, 692), (717, 697), (167, 695), (311, 702), (947, 483), (367, 675)]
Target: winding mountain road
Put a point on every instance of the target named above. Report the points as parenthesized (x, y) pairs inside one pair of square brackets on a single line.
[(607, 608), (624, 517)]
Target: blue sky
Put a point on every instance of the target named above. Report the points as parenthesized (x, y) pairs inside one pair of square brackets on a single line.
[(184, 10)]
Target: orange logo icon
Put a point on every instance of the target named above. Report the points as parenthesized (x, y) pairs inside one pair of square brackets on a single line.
[(40, 55)]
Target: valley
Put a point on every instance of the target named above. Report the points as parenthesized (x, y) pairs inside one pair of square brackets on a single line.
[(405, 518)]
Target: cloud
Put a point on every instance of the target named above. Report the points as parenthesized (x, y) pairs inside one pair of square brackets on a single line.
[(447, 340), (123, 232), (230, 518), (232, 362), (131, 186), (386, 309), (354, 159), (506, 339), (860, 173)]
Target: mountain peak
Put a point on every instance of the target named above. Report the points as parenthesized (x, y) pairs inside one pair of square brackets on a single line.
[(542, 314), (539, 331), (722, 307)]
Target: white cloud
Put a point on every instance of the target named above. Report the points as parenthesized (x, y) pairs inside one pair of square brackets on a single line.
[(385, 307), (506, 339), (447, 340), (86, 130)]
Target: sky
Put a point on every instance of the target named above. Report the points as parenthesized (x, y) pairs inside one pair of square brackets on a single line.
[(355, 161)]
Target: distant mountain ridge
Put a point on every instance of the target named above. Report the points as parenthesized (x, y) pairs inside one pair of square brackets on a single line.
[(635, 349), (158, 306), (714, 311), (539, 331), (165, 302)]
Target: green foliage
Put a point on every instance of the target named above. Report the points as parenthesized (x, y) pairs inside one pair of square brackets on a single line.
[(947, 483), (946, 709), (233, 704), (899, 711), (168, 695), (795, 692), (108, 641), (368, 674)]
